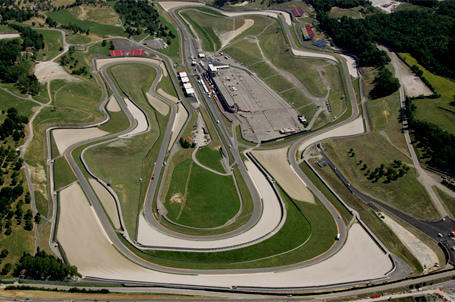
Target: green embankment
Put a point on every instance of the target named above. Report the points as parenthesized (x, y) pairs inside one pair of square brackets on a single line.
[(63, 175), (209, 39)]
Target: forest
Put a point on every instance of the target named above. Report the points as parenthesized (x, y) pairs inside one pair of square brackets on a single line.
[(139, 16), (15, 66), (426, 34)]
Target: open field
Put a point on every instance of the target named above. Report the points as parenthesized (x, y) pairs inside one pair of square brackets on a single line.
[(67, 17), (195, 193), (52, 44), (98, 14), (337, 12), (437, 111), (406, 193), (276, 163), (210, 158), (384, 116)]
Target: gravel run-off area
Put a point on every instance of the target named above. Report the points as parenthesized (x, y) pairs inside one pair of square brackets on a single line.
[(276, 163), (66, 137)]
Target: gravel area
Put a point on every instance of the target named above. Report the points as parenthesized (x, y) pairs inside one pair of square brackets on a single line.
[(49, 71), (179, 122), (139, 116), (113, 106), (66, 137)]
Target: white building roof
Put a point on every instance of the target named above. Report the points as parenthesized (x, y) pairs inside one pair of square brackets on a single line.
[(185, 79), (189, 90), (182, 74), (187, 85)]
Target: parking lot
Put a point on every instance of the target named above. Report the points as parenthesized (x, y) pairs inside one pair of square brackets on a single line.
[(263, 114)]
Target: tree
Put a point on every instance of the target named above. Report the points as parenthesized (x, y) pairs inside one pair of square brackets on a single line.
[(6, 269), (385, 84), (43, 267), (4, 253)]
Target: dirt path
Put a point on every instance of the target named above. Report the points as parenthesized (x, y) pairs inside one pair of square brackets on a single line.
[(230, 35)]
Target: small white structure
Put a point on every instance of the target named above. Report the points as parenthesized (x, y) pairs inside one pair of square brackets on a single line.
[(201, 55), (182, 74), (187, 85), (185, 79)]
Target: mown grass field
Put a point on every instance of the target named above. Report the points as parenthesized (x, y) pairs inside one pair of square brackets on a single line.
[(66, 17), (117, 123), (210, 158), (99, 14), (437, 111), (305, 222), (196, 194), (174, 48), (52, 44)]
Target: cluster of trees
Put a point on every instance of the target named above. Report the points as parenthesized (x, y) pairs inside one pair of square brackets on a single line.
[(43, 267), (426, 34), (391, 173), (13, 125), (76, 28), (30, 38), (71, 62), (139, 16), (15, 66), (187, 142), (436, 144), (10, 11), (384, 84)]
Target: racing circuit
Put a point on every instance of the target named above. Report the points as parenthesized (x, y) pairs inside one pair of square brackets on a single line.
[(98, 242)]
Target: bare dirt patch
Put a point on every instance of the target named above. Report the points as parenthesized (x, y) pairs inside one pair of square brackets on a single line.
[(9, 36), (176, 198), (112, 105), (276, 163), (49, 71)]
